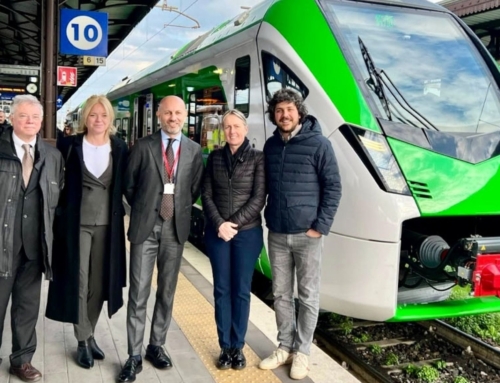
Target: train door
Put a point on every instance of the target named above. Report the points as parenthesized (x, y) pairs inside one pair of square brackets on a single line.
[(126, 134), (147, 122), (244, 91), (138, 117), (118, 126), (156, 119), (192, 117)]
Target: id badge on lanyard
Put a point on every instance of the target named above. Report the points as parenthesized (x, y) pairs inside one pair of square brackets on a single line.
[(169, 187)]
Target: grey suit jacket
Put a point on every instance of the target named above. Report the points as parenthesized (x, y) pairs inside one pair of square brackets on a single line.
[(144, 186)]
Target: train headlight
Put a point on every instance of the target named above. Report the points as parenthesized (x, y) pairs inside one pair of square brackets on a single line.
[(383, 160)]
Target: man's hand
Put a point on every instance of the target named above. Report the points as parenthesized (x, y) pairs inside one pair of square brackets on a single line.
[(313, 233), (227, 231)]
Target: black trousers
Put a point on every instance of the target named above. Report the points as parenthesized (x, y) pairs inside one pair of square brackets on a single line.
[(24, 286)]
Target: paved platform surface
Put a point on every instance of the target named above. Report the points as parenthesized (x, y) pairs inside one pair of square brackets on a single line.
[(55, 355), (191, 341)]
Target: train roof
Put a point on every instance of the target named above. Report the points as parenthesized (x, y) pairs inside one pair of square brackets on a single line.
[(228, 28), (244, 21)]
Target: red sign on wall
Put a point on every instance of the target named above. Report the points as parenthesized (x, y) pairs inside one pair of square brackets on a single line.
[(66, 76)]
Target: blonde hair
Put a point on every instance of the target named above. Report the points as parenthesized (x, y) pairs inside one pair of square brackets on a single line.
[(89, 104), (237, 113)]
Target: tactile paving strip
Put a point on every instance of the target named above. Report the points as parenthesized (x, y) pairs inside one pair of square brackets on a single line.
[(195, 316)]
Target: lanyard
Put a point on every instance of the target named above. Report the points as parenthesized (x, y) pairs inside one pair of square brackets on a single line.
[(170, 171)]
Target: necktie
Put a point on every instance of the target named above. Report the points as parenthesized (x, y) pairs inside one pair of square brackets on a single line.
[(167, 201), (27, 164)]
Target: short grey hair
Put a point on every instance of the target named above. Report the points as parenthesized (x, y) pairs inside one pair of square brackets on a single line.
[(25, 99), (237, 113)]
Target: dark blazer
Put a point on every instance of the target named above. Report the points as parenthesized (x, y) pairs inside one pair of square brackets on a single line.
[(63, 299), (144, 186), (234, 193), (50, 165)]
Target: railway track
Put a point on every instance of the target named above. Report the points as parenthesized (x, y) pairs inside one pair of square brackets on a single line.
[(430, 351)]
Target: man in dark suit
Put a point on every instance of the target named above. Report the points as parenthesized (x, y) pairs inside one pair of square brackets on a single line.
[(31, 177), (162, 182)]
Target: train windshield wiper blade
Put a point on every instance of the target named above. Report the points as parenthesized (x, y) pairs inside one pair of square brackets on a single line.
[(378, 83), (374, 79)]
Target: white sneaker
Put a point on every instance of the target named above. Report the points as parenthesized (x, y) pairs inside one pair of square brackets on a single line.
[(276, 359), (300, 366)]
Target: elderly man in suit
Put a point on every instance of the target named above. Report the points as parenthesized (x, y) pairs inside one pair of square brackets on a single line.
[(162, 182), (31, 175)]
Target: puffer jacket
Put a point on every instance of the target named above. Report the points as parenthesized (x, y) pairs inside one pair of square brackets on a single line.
[(11, 175), (303, 181), (236, 196)]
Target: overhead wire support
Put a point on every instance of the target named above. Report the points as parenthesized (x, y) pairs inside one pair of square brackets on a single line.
[(168, 8)]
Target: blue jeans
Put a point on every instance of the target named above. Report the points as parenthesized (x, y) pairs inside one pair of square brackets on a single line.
[(233, 264), (290, 254)]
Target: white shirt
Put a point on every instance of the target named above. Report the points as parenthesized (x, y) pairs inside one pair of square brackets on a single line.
[(18, 145), (175, 147), (96, 158)]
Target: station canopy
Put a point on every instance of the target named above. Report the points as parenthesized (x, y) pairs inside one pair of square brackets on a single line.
[(21, 26), (483, 17)]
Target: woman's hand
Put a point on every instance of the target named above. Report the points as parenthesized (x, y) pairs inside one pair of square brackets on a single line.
[(227, 231)]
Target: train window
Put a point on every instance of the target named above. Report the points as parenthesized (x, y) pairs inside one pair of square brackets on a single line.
[(242, 85), (118, 124), (206, 107), (277, 76)]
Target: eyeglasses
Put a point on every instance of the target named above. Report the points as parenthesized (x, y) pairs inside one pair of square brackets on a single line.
[(24, 116)]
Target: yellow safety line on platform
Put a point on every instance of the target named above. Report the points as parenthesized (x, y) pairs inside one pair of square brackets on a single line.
[(195, 317)]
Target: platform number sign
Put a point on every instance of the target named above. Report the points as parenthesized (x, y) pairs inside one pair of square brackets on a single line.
[(83, 33)]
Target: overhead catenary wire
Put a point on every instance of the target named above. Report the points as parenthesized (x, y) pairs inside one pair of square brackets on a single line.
[(85, 86)]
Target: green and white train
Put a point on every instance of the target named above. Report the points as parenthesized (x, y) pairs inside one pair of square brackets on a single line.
[(409, 98)]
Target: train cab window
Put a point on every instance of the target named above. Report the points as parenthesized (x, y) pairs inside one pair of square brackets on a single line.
[(277, 76), (242, 85)]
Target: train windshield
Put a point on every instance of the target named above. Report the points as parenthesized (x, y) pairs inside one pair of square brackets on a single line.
[(429, 59)]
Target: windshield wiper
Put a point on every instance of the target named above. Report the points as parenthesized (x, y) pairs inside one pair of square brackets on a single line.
[(377, 83)]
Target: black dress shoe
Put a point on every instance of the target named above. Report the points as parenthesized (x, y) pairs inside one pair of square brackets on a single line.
[(224, 361), (97, 353), (158, 356), (132, 367), (239, 361), (84, 355)]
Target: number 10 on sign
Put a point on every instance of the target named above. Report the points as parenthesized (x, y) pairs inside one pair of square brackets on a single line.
[(94, 61)]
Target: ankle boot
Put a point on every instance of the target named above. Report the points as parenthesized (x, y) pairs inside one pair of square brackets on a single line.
[(84, 356), (97, 353)]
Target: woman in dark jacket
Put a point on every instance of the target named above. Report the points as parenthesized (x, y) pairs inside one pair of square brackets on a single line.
[(233, 196), (89, 237)]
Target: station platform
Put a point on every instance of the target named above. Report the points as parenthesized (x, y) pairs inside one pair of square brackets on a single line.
[(191, 341)]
